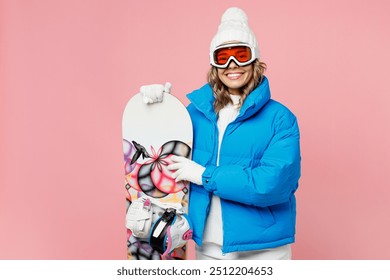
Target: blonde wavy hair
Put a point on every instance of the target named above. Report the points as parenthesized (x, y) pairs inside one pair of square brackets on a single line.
[(221, 92)]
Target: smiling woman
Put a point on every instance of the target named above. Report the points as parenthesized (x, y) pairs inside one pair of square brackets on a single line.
[(246, 154), (68, 67)]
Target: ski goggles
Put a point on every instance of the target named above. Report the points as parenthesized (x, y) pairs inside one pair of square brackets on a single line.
[(241, 54)]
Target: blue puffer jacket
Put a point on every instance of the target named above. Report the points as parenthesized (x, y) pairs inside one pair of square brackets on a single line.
[(258, 170)]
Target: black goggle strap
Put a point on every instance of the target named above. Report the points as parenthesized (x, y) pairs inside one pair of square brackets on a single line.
[(158, 233)]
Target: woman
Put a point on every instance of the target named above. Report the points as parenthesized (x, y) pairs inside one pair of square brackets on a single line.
[(246, 154)]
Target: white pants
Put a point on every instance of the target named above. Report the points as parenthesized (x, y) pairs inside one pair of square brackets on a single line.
[(212, 251)]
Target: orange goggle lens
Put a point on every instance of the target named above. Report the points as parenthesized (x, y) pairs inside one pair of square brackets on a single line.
[(240, 53)]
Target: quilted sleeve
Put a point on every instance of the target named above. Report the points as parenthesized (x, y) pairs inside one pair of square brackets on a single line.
[(272, 181)]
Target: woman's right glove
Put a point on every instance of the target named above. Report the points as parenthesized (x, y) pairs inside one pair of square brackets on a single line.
[(154, 93), (186, 169)]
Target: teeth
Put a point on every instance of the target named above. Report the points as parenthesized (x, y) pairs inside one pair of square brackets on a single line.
[(234, 75)]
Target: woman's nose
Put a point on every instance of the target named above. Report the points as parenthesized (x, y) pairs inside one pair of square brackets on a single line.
[(232, 64)]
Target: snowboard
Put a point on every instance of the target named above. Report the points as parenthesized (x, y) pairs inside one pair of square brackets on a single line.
[(152, 134)]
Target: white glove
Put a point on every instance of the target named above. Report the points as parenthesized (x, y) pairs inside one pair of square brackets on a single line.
[(186, 170), (154, 93)]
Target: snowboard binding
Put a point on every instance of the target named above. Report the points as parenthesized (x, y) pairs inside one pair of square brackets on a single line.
[(165, 226)]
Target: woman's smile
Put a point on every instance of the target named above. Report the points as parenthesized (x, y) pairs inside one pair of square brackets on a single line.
[(235, 77)]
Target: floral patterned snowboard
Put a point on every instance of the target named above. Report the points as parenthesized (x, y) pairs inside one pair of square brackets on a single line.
[(152, 134)]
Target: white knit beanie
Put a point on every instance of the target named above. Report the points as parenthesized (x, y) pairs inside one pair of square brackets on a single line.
[(234, 27)]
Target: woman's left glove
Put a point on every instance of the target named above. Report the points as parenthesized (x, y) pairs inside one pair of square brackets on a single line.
[(186, 170)]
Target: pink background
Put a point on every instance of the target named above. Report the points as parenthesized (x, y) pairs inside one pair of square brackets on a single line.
[(67, 69)]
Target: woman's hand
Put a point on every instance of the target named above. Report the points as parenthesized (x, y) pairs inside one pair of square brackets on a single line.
[(154, 93), (186, 169)]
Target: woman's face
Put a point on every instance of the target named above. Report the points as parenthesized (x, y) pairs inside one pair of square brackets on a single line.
[(235, 77)]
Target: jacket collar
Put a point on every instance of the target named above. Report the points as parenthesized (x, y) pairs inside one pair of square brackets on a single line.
[(203, 100)]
